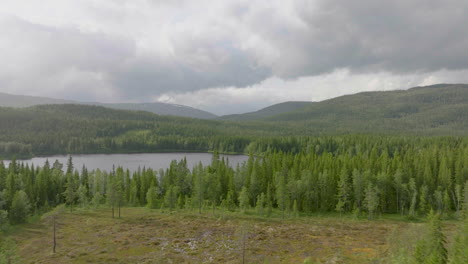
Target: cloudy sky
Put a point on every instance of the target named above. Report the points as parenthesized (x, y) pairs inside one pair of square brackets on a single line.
[(228, 56)]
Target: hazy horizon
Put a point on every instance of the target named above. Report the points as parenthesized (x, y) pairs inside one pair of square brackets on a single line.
[(228, 56)]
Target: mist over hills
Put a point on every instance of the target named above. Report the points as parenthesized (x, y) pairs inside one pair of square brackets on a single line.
[(10, 100)]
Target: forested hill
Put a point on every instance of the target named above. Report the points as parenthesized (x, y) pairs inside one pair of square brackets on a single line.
[(436, 109), (268, 112), (60, 129), (163, 109), (10, 100)]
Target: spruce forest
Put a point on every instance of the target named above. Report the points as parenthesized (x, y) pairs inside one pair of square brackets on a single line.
[(367, 177)]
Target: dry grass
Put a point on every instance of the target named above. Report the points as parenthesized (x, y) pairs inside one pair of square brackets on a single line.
[(146, 236)]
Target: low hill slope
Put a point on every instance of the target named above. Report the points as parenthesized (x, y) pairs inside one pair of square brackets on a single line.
[(268, 111), (10, 100), (435, 110)]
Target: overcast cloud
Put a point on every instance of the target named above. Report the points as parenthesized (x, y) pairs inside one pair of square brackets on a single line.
[(228, 56)]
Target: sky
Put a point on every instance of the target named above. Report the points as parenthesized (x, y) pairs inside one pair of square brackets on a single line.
[(229, 56)]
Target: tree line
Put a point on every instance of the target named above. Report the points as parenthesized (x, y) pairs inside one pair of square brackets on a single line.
[(409, 176)]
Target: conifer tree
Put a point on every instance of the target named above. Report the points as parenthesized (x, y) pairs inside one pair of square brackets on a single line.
[(152, 198), (20, 208), (244, 200), (431, 249), (371, 200), (70, 193)]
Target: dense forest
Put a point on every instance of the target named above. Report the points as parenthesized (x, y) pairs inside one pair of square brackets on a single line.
[(69, 129), (360, 174), (366, 176)]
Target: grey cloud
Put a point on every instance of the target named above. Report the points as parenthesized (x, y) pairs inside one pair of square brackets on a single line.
[(399, 36), (152, 75), (236, 44)]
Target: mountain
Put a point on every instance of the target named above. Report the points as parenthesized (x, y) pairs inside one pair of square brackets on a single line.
[(267, 112), (163, 109), (438, 109), (10, 100)]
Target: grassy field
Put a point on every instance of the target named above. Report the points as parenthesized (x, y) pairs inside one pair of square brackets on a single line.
[(152, 236)]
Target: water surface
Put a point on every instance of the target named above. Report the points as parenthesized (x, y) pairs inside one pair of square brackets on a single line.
[(132, 162)]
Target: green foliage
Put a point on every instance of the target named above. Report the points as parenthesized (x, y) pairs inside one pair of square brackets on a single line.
[(4, 222), (431, 249), (59, 129), (8, 252), (460, 247), (152, 198), (371, 200), (244, 203), (305, 175), (20, 208)]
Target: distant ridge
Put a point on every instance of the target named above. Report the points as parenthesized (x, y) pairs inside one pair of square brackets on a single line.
[(269, 111), (432, 106), (10, 100)]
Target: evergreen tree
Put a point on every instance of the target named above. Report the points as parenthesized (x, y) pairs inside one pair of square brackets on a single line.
[(244, 203), (70, 193), (260, 204), (20, 208), (281, 193), (460, 247), (431, 249), (371, 200), (152, 198), (344, 192)]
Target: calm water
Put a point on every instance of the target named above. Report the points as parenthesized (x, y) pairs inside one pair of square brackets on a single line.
[(155, 161)]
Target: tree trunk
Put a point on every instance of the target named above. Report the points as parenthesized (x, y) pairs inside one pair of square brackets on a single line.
[(119, 209), (55, 240), (112, 211), (243, 247)]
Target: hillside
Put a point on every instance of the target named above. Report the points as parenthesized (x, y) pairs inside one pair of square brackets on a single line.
[(440, 110), (437, 109), (10, 100), (70, 128), (163, 109), (267, 112)]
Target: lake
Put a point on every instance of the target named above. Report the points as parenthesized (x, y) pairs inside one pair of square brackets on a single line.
[(155, 161)]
